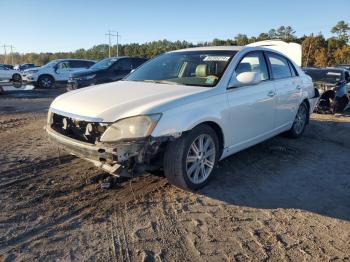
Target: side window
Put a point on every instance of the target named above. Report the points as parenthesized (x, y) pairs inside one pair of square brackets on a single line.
[(253, 62), (63, 65), (89, 64), (124, 64), (279, 66), (137, 62), (79, 64)]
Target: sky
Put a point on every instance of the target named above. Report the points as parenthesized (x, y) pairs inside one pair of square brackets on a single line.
[(67, 25)]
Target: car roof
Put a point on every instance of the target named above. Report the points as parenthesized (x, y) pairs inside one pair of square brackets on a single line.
[(210, 48), (73, 59), (119, 57)]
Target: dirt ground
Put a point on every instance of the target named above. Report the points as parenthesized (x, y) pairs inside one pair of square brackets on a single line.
[(283, 199)]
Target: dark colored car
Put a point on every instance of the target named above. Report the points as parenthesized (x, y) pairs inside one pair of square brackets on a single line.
[(333, 85), (345, 66), (105, 71), (8, 66)]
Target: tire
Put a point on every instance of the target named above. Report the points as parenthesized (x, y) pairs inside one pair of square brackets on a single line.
[(300, 121), (187, 169), (16, 78), (46, 82)]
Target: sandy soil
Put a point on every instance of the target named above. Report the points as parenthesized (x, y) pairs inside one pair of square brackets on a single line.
[(283, 199)]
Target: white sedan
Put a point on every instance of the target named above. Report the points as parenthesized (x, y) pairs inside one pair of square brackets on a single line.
[(185, 110), (9, 74)]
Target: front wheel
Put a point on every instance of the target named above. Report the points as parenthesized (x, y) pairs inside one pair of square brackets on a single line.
[(190, 160), (46, 82), (300, 121), (16, 78)]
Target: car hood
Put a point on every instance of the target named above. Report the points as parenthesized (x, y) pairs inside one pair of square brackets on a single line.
[(113, 101), (85, 72)]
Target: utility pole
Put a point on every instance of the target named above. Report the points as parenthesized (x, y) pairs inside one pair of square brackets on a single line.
[(118, 35), (5, 53), (12, 54), (110, 43)]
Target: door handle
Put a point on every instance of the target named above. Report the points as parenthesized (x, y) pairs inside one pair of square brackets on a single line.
[(271, 93)]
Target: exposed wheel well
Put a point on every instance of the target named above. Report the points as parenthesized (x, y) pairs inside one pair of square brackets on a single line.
[(218, 132)]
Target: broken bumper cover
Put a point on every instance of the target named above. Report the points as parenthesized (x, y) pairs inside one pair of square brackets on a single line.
[(117, 158)]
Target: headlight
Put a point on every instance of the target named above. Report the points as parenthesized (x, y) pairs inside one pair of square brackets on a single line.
[(132, 127)]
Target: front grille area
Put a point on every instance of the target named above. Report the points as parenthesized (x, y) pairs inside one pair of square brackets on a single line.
[(84, 131)]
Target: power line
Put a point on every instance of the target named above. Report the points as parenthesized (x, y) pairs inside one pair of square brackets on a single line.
[(110, 43)]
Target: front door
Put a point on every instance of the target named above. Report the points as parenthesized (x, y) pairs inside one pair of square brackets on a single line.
[(251, 107), (63, 71)]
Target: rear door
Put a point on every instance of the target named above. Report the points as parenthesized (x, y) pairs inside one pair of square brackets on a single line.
[(251, 107), (288, 89)]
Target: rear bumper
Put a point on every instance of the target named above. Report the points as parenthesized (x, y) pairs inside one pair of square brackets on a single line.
[(314, 100)]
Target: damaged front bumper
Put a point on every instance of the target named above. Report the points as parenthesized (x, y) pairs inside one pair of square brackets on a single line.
[(122, 158)]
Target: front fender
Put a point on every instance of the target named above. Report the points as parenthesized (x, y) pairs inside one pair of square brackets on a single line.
[(186, 117)]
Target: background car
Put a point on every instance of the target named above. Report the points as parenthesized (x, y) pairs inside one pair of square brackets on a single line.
[(23, 67), (55, 72), (328, 81), (9, 74), (345, 66), (104, 71), (8, 66)]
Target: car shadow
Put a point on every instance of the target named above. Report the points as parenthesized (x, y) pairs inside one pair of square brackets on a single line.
[(311, 173)]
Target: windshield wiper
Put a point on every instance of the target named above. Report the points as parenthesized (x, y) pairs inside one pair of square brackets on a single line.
[(162, 82)]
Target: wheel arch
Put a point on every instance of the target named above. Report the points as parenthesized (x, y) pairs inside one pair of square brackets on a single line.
[(46, 74), (217, 129)]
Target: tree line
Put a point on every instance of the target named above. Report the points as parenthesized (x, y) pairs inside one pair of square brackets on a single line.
[(317, 50)]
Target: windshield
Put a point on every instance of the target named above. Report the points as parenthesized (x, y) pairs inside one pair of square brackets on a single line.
[(104, 64), (50, 64), (197, 68), (327, 76)]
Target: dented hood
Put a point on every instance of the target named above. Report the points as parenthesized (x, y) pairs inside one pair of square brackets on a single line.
[(112, 101)]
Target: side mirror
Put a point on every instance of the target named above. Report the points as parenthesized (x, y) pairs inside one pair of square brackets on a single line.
[(245, 79)]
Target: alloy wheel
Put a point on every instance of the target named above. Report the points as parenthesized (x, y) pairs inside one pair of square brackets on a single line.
[(300, 120), (200, 159), (46, 82)]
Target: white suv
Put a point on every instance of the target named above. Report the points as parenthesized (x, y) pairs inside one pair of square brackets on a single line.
[(55, 72), (185, 110), (9, 74)]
